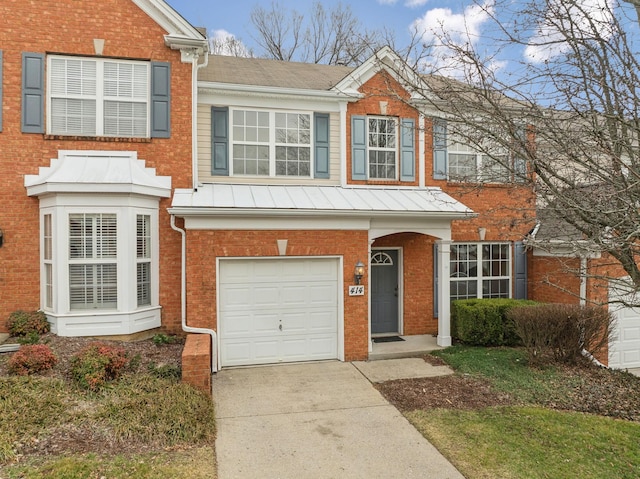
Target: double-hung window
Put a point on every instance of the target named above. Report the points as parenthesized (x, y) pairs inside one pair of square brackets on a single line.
[(93, 282), (382, 139), (480, 270), (271, 143), (98, 97), (464, 155), (143, 259)]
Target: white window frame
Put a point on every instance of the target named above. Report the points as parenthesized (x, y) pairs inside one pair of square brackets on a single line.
[(100, 97), (462, 275), (481, 160), (127, 316), (272, 142), (373, 148)]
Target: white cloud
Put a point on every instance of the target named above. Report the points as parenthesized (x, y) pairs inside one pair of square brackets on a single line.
[(584, 19), (415, 3), (449, 33), (223, 42)]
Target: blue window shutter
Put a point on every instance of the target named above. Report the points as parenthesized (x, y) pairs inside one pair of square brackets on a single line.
[(358, 147), (32, 92), (220, 141), (435, 280), (520, 270), (407, 150), (0, 90), (160, 100), (440, 164), (321, 148)]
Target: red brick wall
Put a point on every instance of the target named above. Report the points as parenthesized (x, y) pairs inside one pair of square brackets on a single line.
[(196, 362), (381, 88), (417, 266), (203, 247), (69, 27)]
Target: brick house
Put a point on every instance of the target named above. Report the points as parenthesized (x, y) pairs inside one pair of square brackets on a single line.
[(95, 131), (310, 174)]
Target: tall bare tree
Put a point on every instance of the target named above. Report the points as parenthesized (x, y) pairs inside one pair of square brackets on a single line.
[(570, 109), (333, 37)]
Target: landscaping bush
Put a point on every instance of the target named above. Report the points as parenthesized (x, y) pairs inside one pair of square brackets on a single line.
[(484, 322), (559, 332), (161, 338), (98, 363), (32, 359), (23, 323)]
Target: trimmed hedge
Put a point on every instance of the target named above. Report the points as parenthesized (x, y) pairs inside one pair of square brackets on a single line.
[(484, 322)]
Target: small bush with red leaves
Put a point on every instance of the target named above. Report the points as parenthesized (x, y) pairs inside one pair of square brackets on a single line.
[(97, 363), (32, 359), (23, 323)]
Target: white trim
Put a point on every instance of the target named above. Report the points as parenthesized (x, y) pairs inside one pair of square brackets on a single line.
[(216, 92), (269, 223), (340, 293)]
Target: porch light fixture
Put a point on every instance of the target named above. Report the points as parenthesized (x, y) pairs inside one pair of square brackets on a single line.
[(359, 273)]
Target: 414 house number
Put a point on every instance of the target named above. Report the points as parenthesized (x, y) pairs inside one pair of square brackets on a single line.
[(356, 290)]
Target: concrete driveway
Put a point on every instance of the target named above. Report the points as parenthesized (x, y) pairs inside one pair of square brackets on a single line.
[(315, 420)]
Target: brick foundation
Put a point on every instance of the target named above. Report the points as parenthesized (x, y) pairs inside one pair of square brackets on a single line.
[(196, 362)]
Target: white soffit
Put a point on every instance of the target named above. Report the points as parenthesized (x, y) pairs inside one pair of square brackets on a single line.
[(181, 33), (98, 172), (214, 199)]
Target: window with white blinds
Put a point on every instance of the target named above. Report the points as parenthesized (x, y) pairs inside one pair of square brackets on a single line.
[(93, 282), (143, 257), (98, 97)]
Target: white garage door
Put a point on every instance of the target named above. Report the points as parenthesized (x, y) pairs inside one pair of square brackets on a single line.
[(624, 350), (277, 310)]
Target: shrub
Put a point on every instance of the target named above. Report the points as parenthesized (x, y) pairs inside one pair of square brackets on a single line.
[(484, 322), (165, 371), (559, 332), (98, 363), (160, 339), (32, 359), (22, 323)]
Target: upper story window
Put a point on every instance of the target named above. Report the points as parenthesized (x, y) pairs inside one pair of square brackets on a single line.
[(455, 158), (98, 97), (268, 143), (383, 147)]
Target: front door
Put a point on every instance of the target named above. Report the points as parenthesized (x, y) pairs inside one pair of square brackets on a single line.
[(384, 291)]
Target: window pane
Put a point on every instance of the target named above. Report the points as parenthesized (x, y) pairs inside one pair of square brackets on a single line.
[(48, 286), (144, 283), (48, 237), (93, 286), (71, 116), (143, 236)]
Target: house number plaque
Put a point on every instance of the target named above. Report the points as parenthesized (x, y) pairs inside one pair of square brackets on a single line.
[(356, 290)]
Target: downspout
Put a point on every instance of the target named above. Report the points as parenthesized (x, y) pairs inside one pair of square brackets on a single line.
[(194, 114), (183, 299)]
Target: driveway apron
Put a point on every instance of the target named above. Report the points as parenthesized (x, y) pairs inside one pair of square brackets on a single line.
[(315, 420)]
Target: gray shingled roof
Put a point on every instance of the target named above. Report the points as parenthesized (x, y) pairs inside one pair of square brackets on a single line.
[(272, 73)]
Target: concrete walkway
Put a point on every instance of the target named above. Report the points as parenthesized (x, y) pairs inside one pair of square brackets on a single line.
[(317, 420)]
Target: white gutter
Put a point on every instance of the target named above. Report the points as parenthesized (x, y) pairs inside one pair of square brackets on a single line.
[(183, 300), (194, 116), (271, 90)]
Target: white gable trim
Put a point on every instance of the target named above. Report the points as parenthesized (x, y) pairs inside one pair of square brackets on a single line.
[(383, 59), (180, 33)]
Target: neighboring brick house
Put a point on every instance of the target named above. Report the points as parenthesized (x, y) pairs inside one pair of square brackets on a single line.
[(307, 171), (95, 131)]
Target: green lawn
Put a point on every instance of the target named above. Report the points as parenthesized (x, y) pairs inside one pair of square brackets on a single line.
[(530, 440)]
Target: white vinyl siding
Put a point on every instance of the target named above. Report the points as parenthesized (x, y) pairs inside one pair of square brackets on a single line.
[(480, 270), (269, 143), (96, 97), (204, 155)]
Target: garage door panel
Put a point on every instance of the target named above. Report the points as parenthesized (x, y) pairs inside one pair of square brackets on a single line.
[(301, 295), (624, 349)]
